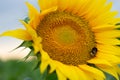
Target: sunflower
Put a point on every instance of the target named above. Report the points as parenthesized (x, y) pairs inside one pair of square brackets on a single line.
[(79, 40)]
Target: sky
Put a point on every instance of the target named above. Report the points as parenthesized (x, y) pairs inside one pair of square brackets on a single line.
[(11, 11)]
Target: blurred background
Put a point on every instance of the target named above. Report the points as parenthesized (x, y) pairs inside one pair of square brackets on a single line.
[(11, 11), (12, 66)]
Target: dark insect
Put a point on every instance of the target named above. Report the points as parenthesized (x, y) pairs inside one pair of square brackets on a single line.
[(94, 51)]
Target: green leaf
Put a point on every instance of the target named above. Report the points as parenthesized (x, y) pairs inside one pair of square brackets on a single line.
[(26, 44), (44, 75), (27, 19), (52, 76), (14, 70), (47, 76), (31, 53), (109, 77), (117, 24), (38, 60)]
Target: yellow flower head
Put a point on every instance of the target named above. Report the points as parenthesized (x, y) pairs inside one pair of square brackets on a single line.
[(76, 38)]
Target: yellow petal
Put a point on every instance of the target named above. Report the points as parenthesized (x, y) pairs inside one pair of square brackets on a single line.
[(99, 61), (71, 72), (35, 38), (111, 58), (36, 21), (45, 61), (32, 10), (62, 4), (108, 34), (90, 9), (107, 15), (91, 76), (37, 46), (71, 6), (82, 75), (116, 20), (92, 70), (43, 66), (18, 33), (67, 71), (107, 7), (45, 56), (94, 20), (52, 66), (84, 6), (117, 68), (79, 4), (104, 9), (31, 31), (52, 9), (94, 12), (106, 18), (46, 4), (73, 75), (102, 28), (109, 70), (109, 49), (60, 75), (108, 41)]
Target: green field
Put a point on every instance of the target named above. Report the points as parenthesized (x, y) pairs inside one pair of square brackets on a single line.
[(22, 70), (18, 70)]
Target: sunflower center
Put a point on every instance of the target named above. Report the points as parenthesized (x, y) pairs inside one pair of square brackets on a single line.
[(65, 35), (66, 38)]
